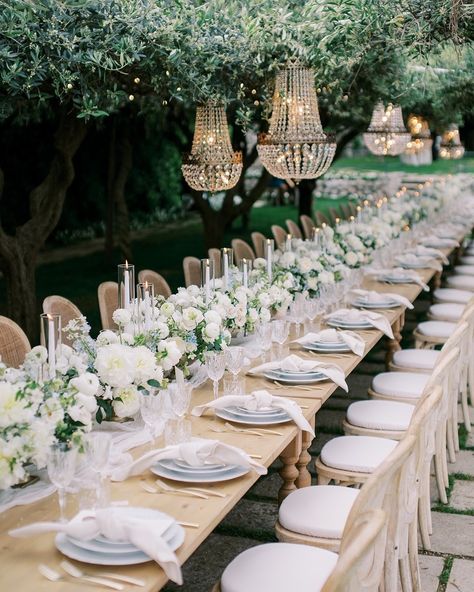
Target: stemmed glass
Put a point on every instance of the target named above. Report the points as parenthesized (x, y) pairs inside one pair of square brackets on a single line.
[(280, 331), (215, 366), (151, 409), (234, 358), (61, 465), (296, 313), (311, 311), (180, 395), (98, 445), (264, 332)]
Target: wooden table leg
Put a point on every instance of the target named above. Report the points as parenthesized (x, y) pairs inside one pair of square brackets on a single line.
[(304, 476), (437, 280), (289, 473), (393, 345)]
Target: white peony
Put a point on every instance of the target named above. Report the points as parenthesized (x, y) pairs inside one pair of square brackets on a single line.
[(212, 331), (115, 365), (191, 318), (351, 258), (122, 317), (167, 309), (171, 353), (106, 338), (145, 364), (129, 403), (211, 316), (88, 402), (87, 384), (79, 413), (38, 354), (305, 264)]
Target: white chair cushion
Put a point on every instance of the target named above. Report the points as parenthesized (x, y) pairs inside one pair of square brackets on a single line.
[(279, 567), (409, 385), (441, 329), (448, 310), (380, 415), (461, 282), (360, 454), (464, 269), (452, 295), (416, 358), (319, 511), (467, 260)]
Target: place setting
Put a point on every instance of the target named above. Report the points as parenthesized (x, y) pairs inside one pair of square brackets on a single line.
[(350, 318), (332, 341), (413, 261), (398, 275), (371, 299)]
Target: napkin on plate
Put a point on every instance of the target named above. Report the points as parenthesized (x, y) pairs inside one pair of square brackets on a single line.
[(144, 533), (423, 251), (294, 363), (373, 296), (258, 400), (196, 453), (433, 239), (355, 316), (399, 273), (351, 339), (411, 259)]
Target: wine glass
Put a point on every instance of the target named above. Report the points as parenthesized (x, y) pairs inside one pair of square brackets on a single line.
[(215, 366), (98, 445), (151, 409), (61, 465), (264, 332), (311, 310), (180, 396), (280, 331), (234, 357)]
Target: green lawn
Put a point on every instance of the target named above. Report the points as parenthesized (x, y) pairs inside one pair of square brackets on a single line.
[(389, 164)]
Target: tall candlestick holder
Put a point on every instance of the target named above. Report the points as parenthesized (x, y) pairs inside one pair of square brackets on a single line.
[(51, 339), (227, 260), (207, 278), (146, 305), (268, 248), (245, 267), (126, 285)]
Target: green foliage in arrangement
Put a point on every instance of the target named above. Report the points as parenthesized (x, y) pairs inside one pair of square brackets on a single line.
[(100, 55)]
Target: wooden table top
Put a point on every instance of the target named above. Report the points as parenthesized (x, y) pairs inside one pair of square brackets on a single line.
[(20, 557)]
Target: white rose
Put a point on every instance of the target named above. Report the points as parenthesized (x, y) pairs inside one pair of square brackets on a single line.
[(326, 277), (38, 354), (305, 265), (122, 316), (191, 318), (80, 414), (107, 337), (115, 365), (129, 403), (88, 402), (172, 354), (211, 316), (212, 331), (87, 384), (259, 263), (312, 283), (287, 259), (351, 258), (145, 363), (167, 309), (162, 329)]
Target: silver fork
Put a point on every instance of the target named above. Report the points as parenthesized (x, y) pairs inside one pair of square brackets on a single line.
[(75, 572), (53, 576)]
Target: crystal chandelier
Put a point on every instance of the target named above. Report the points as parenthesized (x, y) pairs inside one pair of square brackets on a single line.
[(295, 146), (420, 135), (451, 147), (212, 165), (387, 135)]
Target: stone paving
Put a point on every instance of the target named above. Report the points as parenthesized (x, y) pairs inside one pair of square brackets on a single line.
[(448, 567)]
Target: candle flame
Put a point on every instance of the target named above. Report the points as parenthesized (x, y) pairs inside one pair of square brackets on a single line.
[(126, 263), (50, 317)]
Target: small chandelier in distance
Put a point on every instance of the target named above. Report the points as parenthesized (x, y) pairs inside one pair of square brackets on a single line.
[(212, 165), (451, 147), (295, 146), (420, 135), (387, 135)]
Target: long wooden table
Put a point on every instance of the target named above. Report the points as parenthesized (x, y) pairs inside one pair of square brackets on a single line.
[(20, 557)]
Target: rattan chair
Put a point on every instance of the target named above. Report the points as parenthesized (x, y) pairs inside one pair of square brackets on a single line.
[(14, 344), (107, 293), (215, 255), (333, 215), (159, 283), (307, 224), (293, 229), (322, 219), (242, 250), (345, 211), (258, 241), (279, 234), (67, 309), (192, 271)]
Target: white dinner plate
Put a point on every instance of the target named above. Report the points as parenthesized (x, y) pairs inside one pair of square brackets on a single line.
[(69, 549), (294, 380), (388, 303), (294, 374), (231, 473), (316, 347), (346, 325), (242, 414), (182, 467), (390, 279), (262, 412), (252, 420)]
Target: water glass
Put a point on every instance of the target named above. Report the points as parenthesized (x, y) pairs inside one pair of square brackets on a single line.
[(264, 333), (215, 365), (280, 331), (152, 412), (180, 397), (234, 357), (98, 445), (234, 385), (177, 431), (61, 465)]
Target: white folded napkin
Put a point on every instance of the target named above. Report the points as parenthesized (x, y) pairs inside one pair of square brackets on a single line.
[(116, 525), (375, 319), (294, 363), (196, 453), (400, 273), (411, 259), (258, 400), (351, 339), (373, 296), (438, 241), (423, 251)]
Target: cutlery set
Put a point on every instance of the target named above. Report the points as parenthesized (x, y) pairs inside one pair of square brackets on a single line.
[(74, 574)]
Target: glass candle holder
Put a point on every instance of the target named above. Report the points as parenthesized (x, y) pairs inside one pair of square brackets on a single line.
[(146, 305), (126, 285), (245, 267), (207, 277), (51, 339), (268, 248), (288, 242), (227, 260)]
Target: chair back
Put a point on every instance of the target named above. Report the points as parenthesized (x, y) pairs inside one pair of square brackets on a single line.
[(67, 309), (159, 283), (242, 250), (360, 562), (352, 208), (107, 293), (14, 344), (192, 271), (333, 214), (322, 219), (293, 229), (346, 211), (215, 255), (258, 241), (307, 224), (279, 234)]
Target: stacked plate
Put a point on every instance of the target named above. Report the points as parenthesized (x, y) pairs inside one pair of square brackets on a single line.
[(384, 302), (179, 470), (295, 377), (420, 263), (259, 417), (342, 323), (395, 279), (327, 347), (103, 551)]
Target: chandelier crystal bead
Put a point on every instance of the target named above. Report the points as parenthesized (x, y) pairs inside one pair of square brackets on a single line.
[(451, 147), (295, 146), (420, 135), (212, 165), (386, 135)]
